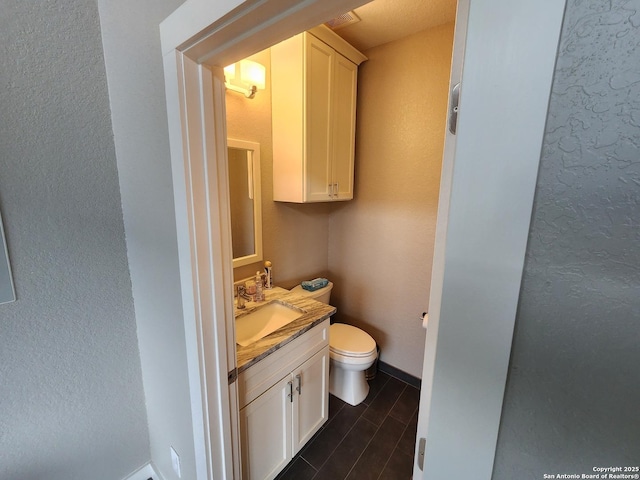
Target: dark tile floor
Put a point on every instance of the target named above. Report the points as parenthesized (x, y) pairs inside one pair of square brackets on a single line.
[(373, 440)]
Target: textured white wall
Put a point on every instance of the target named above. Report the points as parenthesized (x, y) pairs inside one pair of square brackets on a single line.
[(131, 39), (381, 243), (71, 397), (572, 395)]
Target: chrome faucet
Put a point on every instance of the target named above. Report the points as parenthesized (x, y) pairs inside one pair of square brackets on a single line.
[(241, 294)]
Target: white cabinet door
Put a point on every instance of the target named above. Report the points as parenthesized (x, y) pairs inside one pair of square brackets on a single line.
[(310, 408), (318, 116), (344, 127), (265, 432)]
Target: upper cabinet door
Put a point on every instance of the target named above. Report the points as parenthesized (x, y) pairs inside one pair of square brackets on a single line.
[(318, 117), (345, 81)]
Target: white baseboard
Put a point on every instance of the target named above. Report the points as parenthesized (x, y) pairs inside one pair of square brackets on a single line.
[(144, 473)]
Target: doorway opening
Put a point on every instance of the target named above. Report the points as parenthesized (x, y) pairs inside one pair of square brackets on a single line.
[(401, 116), (482, 241)]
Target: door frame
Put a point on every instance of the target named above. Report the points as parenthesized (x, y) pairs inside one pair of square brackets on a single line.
[(504, 60), (198, 39)]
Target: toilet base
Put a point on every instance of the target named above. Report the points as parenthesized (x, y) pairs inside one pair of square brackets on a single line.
[(348, 385)]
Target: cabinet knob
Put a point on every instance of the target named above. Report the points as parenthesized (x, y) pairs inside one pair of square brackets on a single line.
[(299, 387)]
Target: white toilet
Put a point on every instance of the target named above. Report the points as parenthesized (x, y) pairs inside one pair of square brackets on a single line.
[(351, 352)]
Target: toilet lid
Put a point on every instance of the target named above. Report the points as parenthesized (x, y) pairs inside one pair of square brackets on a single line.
[(350, 341)]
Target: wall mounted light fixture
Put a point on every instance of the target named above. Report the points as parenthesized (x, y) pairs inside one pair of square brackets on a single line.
[(246, 77)]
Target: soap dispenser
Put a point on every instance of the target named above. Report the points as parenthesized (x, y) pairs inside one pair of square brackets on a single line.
[(268, 281)]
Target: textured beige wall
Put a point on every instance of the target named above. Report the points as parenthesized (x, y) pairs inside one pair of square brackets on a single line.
[(381, 243), (295, 237)]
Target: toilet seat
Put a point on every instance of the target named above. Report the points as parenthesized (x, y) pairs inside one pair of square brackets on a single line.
[(347, 360), (351, 354), (350, 342)]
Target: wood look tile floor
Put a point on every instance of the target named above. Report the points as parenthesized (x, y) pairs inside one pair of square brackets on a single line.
[(371, 441)]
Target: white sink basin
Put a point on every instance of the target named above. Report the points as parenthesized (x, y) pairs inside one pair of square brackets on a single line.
[(265, 320)]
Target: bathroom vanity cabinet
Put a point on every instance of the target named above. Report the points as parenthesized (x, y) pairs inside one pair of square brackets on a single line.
[(313, 92), (283, 402)]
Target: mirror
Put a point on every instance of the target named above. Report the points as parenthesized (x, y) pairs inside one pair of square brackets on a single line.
[(245, 201)]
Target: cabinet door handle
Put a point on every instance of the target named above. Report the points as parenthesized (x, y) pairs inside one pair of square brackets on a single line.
[(290, 394), (299, 387), (337, 189)]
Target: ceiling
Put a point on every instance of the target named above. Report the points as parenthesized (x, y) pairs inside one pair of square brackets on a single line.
[(384, 21)]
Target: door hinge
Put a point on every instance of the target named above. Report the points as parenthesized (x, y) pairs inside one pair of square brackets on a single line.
[(453, 108), (421, 446)]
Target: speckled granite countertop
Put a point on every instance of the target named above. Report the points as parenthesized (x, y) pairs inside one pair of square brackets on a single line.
[(315, 312)]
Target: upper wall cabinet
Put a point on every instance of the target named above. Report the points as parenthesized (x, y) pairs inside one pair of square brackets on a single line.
[(313, 89)]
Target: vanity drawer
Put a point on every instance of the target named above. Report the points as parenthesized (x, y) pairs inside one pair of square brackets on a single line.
[(258, 378)]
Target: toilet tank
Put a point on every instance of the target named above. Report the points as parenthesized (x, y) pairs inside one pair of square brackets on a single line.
[(321, 295)]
